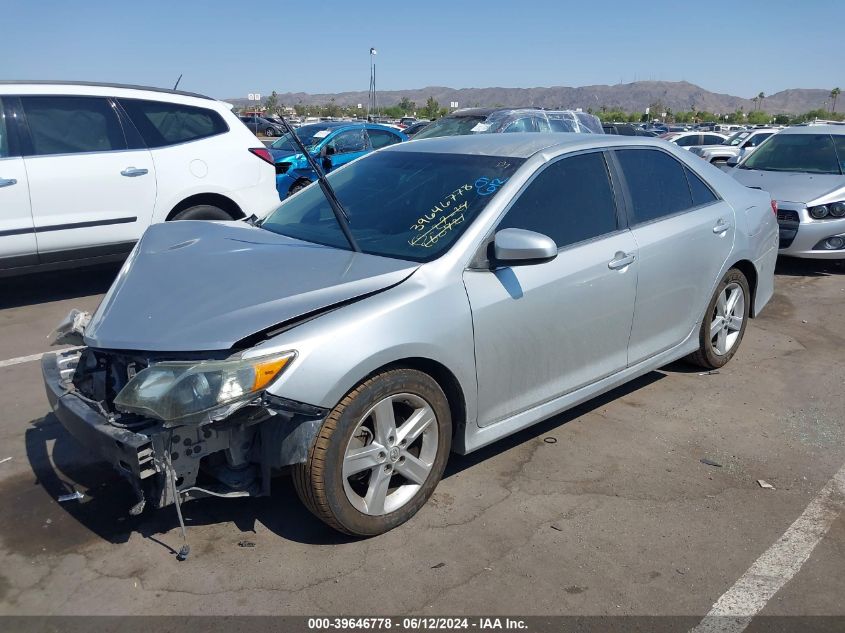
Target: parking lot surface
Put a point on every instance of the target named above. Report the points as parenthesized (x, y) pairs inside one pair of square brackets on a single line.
[(607, 509)]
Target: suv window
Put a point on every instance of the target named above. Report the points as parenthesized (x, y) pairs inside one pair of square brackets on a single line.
[(349, 141), (570, 201), (382, 138), (688, 141), (656, 183), (755, 140), (67, 125), (712, 139), (162, 123)]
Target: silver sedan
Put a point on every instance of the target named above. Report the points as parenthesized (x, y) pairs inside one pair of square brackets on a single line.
[(481, 284)]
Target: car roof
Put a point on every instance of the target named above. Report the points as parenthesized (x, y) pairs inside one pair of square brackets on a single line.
[(98, 84), (518, 145), (814, 129)]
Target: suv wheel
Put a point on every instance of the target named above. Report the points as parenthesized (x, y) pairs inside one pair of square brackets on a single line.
[(269, 132), (724, 322), (202, 212), (379, 454)]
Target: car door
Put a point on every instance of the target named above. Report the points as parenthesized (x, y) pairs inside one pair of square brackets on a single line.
[(344, 147), (684, 234), (90, 194), (543, 330), (17, 232)]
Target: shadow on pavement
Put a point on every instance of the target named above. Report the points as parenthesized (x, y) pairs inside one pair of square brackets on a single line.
[(795, 267), (39, 524), (56, 285)]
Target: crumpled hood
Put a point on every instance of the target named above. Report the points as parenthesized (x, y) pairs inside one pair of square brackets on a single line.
[(196, 286), (790, 186)]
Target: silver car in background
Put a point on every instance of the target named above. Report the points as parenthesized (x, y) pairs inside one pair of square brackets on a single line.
[(500, 279), (803, 168)]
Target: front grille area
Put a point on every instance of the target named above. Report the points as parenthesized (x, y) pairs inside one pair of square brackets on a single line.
[(788, 221)]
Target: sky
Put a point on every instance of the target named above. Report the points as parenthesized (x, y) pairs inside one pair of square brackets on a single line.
[(228, 49)]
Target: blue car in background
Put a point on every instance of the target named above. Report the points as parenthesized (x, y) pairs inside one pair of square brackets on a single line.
[(332, 143)]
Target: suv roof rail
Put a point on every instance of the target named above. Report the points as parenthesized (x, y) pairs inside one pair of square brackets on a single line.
[(100, 84)]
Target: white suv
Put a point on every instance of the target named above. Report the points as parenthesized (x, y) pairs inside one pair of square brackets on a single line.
[(86, 168)]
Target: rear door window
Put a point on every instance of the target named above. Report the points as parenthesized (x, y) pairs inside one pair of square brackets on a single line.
[(570, 201), (701, 193), (656, 183), (70, 125), (712, 139), (4, 136), (161, 123), (382, 138), (687, 141)]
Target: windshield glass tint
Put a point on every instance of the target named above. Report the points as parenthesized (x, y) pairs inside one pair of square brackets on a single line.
[(807, 153), (736, 139), (451, 126), (407, 205), (310, 135)]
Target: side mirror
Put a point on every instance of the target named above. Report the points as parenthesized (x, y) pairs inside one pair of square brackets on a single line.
[(515, 247)]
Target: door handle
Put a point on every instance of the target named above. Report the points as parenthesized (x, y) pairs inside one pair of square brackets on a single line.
[(131, 172), (620, 260), (7, 182), (721, 226)]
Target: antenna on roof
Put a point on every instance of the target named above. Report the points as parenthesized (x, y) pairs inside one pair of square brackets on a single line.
[(176, 85)]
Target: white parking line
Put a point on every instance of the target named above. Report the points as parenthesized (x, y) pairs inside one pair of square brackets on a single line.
[(21, 359), (32, 357), (768, 574)]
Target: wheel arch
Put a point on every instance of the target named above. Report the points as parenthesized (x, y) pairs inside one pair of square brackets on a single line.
[(444, 377), (748, 269), (214, 199)]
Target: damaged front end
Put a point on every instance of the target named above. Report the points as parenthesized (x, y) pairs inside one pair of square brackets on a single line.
[(181, 426)]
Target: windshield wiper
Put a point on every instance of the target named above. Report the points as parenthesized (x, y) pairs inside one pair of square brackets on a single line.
[(338, 210)]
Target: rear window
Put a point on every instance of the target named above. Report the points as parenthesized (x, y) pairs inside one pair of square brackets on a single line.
[(804, 153), (162, 123)]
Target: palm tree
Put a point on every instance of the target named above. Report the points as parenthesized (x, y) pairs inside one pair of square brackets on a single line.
[(755, 100), (833, 94), (761, 96)]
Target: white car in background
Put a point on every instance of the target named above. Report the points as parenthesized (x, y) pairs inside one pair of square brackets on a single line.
[(86, 168), (734, 148), (688, 139)]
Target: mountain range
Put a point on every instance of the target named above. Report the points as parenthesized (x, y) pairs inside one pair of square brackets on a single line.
[(630, 97)]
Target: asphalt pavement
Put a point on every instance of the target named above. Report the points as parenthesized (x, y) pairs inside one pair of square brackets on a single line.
[(644, 501)]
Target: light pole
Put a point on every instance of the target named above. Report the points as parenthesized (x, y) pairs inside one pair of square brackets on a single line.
[(371, 100)]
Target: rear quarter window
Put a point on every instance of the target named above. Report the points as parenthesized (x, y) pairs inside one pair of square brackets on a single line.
[(656, 183), (161, 123)]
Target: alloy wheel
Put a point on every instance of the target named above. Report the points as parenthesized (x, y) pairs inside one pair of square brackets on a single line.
[(726, 326), (390, 454)]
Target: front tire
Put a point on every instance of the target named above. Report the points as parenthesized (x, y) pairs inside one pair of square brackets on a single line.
[(724, 322), (379, 454)]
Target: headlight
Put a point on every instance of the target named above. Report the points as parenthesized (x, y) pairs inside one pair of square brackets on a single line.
[(176, 390), (830, 210)]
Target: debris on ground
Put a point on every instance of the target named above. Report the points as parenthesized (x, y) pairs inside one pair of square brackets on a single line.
[(246, 544), (555, 526), (438, 565), (550, 440), (765, 484), (4, 460), (75, 495), (710, 462), (712, 372)]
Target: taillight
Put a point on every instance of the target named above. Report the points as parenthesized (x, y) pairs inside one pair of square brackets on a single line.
[(263, 153), (775, 207)]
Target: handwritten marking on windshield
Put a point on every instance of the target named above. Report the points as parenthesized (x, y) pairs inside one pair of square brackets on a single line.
[(440, 228), (444, 204), (485, 186)]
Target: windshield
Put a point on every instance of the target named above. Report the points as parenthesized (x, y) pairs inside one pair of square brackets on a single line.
[(407, 205), (736, 139), (310, 135), (451, 126), (805, 153)]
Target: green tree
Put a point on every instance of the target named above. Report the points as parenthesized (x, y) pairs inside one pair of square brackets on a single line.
[(431, 109), (407, 105), (331, 109), (271, 103), (782, 119), (833, 94), (760, 98), (758, 117)]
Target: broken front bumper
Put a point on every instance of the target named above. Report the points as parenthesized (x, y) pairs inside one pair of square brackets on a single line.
[(131, 453), (237, 455)]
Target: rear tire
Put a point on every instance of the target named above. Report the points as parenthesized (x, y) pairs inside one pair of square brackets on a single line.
[(297, 187), (724, 322), (379, 454), (202, 212), (270, 132)]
